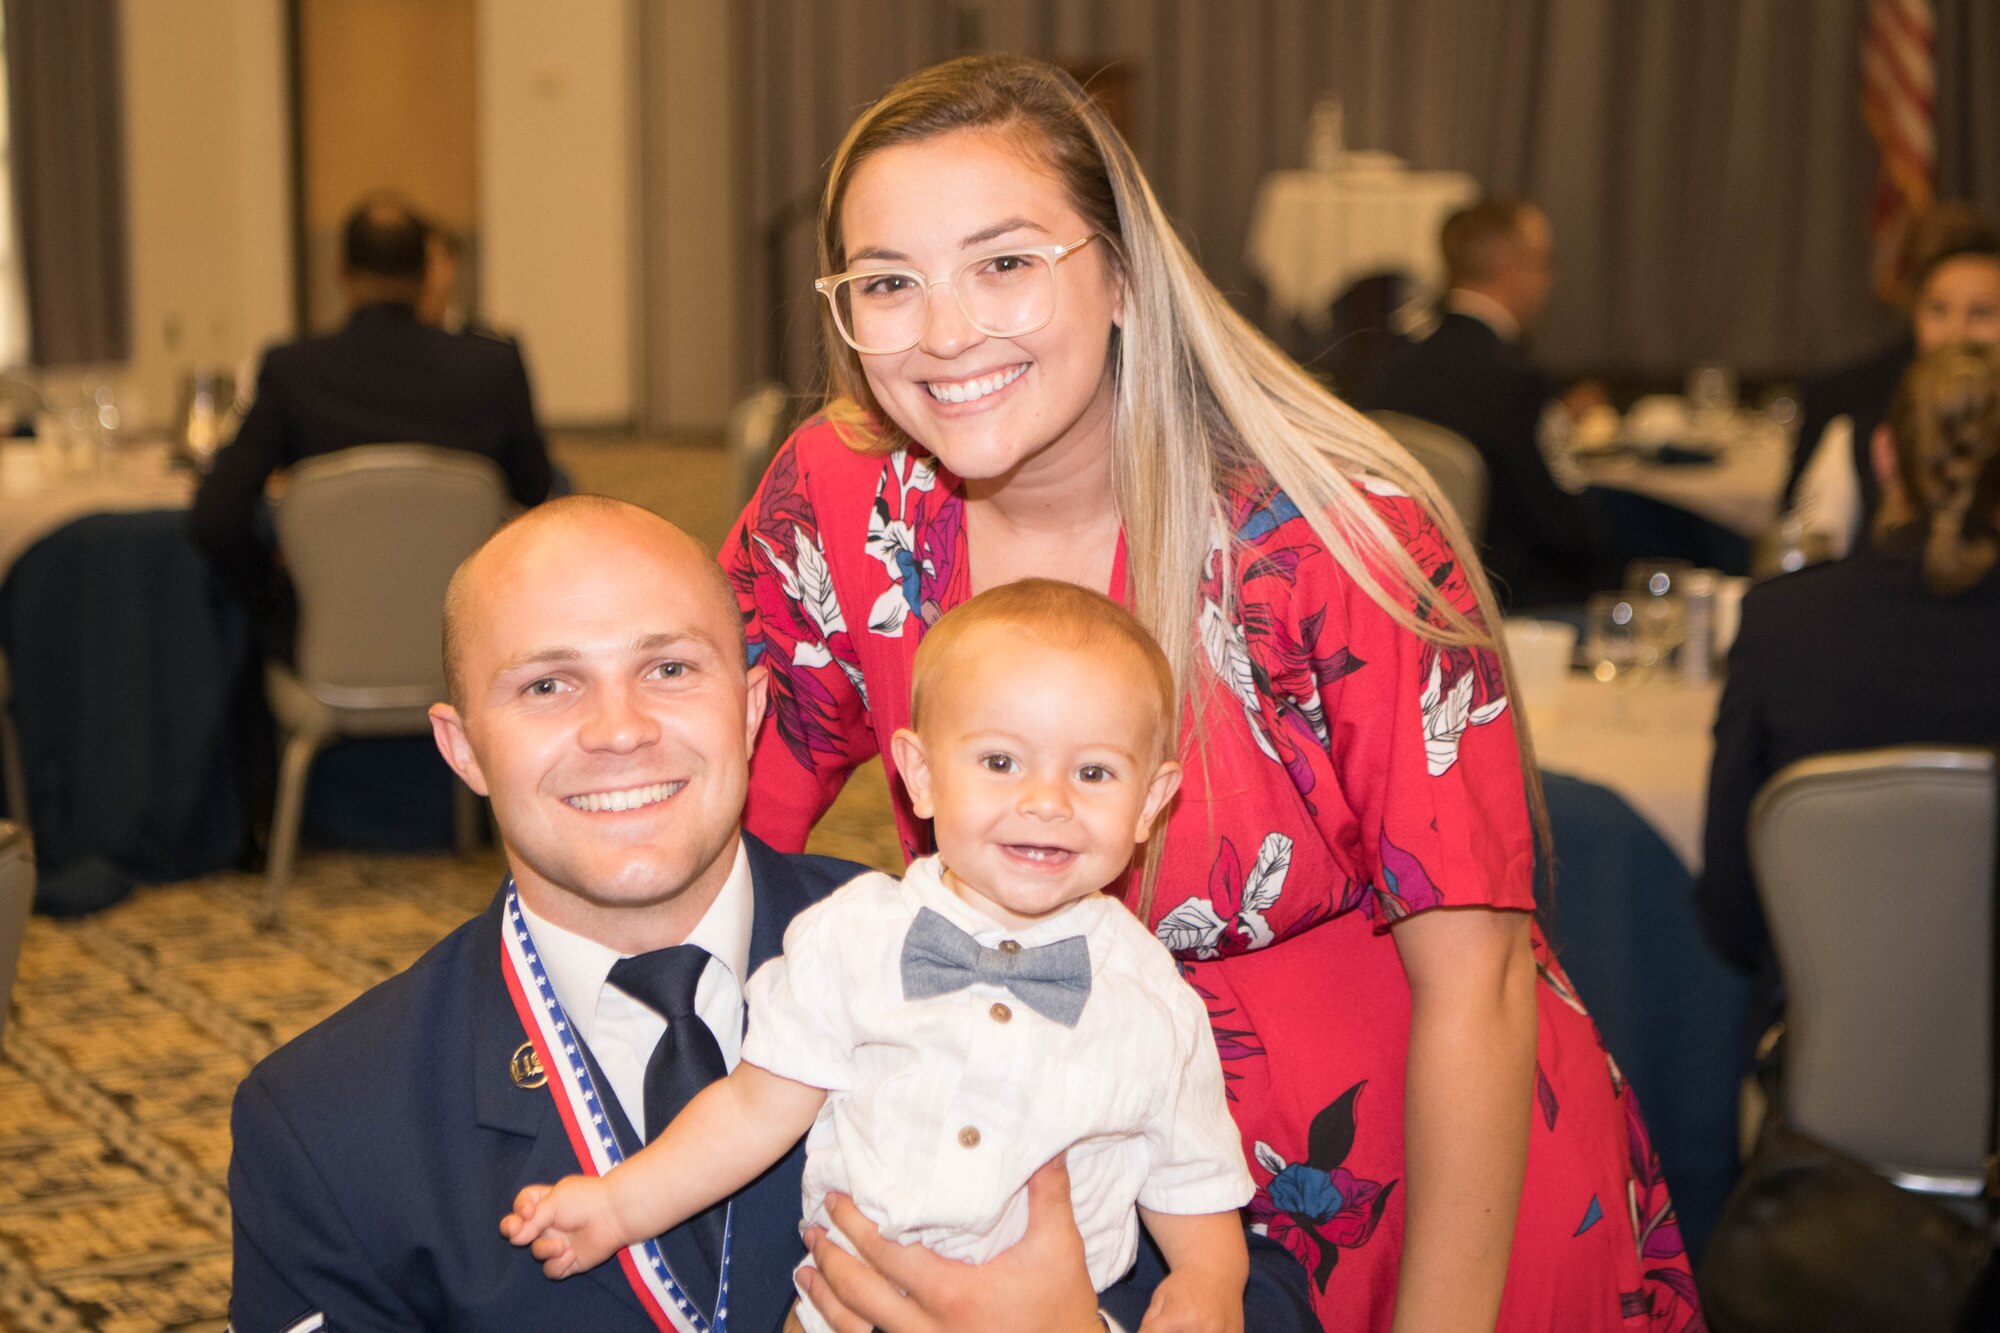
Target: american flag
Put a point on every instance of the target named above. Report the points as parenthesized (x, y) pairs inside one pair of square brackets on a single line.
[(1898, 86)]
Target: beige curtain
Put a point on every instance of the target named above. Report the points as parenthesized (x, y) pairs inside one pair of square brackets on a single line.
[(1703, 161), (67, 151)]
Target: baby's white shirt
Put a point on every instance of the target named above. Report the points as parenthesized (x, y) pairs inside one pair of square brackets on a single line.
[(938, 1110)]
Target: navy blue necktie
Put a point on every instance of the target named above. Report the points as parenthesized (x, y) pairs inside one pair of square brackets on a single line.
[(687, 1058)]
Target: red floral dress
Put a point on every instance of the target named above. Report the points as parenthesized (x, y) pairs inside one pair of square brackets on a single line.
[(1352, 774)]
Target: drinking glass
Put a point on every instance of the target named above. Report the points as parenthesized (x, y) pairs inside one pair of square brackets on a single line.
[(1711, 391), (1659, 608), (1657, 576), (1612, 644)]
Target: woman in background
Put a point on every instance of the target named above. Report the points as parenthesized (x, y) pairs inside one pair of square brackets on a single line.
[(1031, 376), (1920, 607), (1957, 299)]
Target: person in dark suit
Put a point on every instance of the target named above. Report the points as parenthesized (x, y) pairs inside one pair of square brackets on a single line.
[(1917, 612), (385, 377), (1472, 376), (602, 701)]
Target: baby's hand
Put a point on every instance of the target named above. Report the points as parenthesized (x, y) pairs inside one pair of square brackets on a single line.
[(1185, 1304), (569, 1226)]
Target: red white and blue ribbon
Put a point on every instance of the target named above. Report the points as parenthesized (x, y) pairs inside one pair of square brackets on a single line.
[(589, 1126)]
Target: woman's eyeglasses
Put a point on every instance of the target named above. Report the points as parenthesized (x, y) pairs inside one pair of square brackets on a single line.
[(882, 311)]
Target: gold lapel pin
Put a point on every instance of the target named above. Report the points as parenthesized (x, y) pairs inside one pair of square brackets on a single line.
[(526, 1067)]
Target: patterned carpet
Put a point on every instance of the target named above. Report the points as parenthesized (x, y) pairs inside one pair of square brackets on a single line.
[(131, 1029)]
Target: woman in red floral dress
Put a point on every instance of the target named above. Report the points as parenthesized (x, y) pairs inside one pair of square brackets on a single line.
[(1032, 377)]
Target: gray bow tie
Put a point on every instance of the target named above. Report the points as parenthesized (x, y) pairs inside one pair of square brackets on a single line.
[(1051, 979)]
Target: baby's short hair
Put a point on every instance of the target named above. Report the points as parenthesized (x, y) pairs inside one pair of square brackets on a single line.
[(1058, 615)]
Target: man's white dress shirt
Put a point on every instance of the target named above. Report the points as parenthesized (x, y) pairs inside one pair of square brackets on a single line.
[(621, 1031)]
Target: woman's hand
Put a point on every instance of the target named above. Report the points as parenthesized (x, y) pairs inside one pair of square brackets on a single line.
[(1041, 1282)]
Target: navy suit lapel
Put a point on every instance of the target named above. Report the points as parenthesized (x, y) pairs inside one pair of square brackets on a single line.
[(779, 896), (764, 1244), (502, 1106)]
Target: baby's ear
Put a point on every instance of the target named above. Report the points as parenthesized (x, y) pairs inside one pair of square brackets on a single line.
[(1166, 781), (907, 748)]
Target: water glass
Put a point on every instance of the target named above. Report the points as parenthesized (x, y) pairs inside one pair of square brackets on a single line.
[(1657, 576), (1711, 391), (1656, 587), (1612, 643)]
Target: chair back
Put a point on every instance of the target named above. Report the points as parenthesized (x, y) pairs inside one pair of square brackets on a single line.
[(1453, 463), (21, 400), (371, 536), (1876, 870), (17, 895), (757, 425)]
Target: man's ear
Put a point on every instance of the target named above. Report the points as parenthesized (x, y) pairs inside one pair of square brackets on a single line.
[(908, 750), (1166, 781), (448, 730), (759, 682)]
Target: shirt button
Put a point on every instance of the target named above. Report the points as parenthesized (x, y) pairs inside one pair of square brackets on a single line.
[(968, 1137), (1001, 1013), (1010, 946)]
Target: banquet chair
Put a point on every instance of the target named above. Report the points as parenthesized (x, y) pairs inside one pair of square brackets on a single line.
[(370, 536), (21, 401), (1452, 461), (17, 894), (12, 774), (757, 425), (1876, 869)]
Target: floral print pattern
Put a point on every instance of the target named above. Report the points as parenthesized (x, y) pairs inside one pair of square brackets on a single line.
[(1316, 1207)]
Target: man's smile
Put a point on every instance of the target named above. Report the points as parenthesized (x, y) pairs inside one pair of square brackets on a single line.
[(628, 798)]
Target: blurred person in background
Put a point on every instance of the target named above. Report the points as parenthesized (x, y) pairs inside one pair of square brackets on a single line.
[(385, 377), (1866, 386), (1918, 608), (1544, 545), (1954, 267)]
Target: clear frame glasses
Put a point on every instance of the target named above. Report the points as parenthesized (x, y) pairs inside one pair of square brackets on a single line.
[(882, 311)]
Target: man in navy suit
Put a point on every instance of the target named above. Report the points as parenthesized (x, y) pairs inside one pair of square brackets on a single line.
[(385, 377), (600, 699), (1471, 375)]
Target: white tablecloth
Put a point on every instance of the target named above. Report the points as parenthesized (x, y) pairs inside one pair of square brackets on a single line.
[(1651, 743), (1740, 491), (33, 503), (1313, 233)]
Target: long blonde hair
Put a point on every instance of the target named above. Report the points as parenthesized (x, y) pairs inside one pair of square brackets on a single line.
[(1945, 424), (1201, 394)]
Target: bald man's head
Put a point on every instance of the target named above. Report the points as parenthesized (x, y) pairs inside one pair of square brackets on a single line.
[(601, 702), (542, 533)]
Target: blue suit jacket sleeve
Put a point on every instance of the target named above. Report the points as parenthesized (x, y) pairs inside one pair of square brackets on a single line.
[(278, 1242)]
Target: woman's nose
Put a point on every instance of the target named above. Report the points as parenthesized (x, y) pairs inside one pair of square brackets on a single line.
[(947, 331)]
